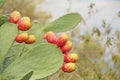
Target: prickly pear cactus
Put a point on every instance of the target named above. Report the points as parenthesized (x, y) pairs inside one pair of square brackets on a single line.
[(20, 61)]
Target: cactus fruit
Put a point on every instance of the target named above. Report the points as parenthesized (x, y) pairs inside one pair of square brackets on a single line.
[(31, 39), (21, 37), (71, 57), (24, 23), (50, 37), (67, 47), (62, 40), (68, 67), (14, 17)]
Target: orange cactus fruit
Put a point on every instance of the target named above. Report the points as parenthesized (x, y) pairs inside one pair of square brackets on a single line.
[(24, 23), (50, 37), (14, 17), (67, 47), (71, 58), (62, 40), (31, 39), (68, 67), (21, 37)]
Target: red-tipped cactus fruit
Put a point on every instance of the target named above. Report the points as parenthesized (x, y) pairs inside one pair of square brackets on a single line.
[(31, 39), (69, 67), (62, 40), (50, 37), (71, 58), (24, 23), (14, 17), (67, 47), (21, 37)]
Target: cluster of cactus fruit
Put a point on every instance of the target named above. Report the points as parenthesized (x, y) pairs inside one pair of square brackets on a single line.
[(65, 46), (62, 42), (24, 24), (23, 62)]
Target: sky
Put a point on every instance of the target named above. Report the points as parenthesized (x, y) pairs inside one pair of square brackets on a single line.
[(107, 10)]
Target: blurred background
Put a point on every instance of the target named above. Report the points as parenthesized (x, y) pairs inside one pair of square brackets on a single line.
[(96, 39)]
